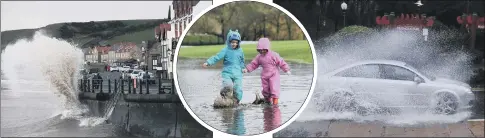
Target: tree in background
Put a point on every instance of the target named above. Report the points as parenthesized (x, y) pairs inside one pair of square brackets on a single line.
[(135, 53), (252, 19)]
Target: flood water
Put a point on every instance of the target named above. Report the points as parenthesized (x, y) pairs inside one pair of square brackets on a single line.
[(38, 103), (35, 112), (201, 86), (427, 57)]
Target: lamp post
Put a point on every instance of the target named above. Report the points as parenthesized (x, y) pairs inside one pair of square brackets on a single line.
[(143, 51), (391, 17), (376, 9), (344, 8), (425, 29), (473, 30)]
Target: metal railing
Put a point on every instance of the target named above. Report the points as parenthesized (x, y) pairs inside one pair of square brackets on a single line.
[(128, 86), (112, 103)]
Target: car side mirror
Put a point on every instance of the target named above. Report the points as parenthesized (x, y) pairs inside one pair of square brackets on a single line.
[(418, 80)]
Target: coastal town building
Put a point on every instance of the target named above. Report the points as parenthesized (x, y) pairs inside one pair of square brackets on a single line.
[(168, 34), (155, 55), (111, 53)]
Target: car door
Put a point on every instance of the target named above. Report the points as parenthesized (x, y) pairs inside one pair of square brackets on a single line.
[(397, 83), (361, 80)]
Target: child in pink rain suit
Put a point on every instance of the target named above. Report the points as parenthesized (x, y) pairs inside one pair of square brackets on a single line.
[(270, 76)]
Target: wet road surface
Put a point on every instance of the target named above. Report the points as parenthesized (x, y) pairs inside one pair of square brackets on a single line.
[(201, 86)]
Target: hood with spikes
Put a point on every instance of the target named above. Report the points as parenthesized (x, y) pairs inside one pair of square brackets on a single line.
[(233, 35)]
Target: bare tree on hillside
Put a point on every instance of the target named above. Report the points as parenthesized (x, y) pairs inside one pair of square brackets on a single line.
[(135, 53)]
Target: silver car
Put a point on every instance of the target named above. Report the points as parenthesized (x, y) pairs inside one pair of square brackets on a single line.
[(392, 84)]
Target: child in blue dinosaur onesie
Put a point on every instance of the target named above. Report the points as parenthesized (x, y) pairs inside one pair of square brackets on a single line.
[(233, 63)]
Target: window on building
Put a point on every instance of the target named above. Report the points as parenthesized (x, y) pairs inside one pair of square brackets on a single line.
[(154, 63), (185, 24), (176, 30), (180, 30)]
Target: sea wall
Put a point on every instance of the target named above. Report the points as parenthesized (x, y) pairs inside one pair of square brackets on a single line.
[(150, 119)]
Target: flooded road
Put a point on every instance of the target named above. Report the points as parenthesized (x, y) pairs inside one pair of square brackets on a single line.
[(315, 123), (341, 128), (201, 86), (33, 111)]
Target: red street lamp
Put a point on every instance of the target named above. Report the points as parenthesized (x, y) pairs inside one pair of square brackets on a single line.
[(407, 22), (473, 23), (468, 20)]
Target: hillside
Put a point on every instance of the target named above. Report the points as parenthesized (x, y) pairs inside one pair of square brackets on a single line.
[(91, 33)]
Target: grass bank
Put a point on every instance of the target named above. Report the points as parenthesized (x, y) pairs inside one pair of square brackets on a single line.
[(293, 51), (135, 37)]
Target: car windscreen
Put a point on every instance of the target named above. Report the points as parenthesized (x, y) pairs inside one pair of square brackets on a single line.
[(136, 72)]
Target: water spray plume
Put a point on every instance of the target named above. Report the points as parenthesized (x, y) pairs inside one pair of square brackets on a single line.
[(45, 59), (440, 56)]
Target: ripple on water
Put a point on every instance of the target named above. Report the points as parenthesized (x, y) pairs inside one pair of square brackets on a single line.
[(200, 86)]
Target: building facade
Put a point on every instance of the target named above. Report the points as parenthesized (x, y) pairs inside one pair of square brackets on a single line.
[(111, 54), (182, 15), (168, 34)]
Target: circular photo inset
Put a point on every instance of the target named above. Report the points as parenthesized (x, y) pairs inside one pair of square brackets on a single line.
[(245, 68)]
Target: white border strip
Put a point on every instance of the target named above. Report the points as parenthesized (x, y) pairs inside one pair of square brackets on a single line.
[(475, 120), (217, 133)]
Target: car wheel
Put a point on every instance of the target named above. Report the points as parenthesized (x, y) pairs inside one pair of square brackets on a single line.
[(446, 104), (341, 101)]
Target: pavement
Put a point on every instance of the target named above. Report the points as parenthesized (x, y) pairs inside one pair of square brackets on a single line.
[(478, 89), (338, 128)]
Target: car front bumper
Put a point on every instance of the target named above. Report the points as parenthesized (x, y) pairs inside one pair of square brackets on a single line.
[(468, 100)]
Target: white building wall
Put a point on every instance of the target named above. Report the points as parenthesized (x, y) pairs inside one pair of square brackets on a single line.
[(184, 22)]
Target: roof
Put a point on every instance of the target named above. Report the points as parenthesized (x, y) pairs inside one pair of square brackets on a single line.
[(390, 62), (166, 26), (103, 49), (118, 47), (191, 2), (86, 50)]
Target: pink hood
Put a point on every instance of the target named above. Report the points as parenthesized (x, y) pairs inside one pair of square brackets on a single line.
[(264, 43)]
